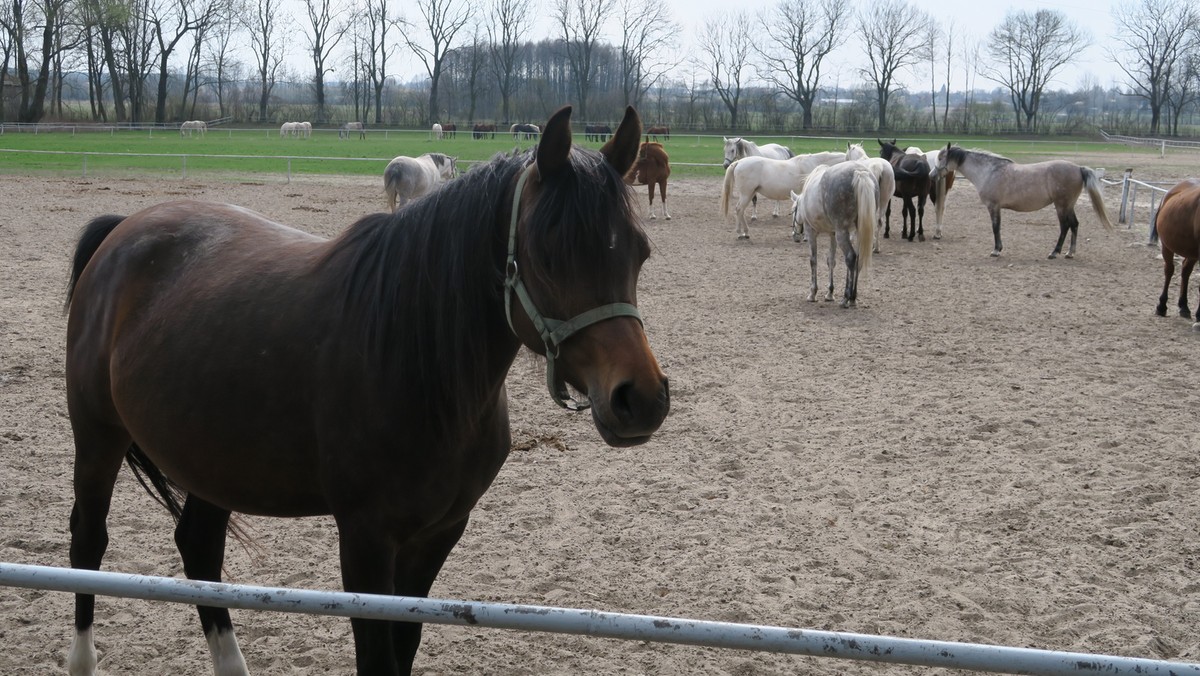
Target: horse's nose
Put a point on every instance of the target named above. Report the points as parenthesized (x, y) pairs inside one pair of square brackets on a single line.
[(640, 410)]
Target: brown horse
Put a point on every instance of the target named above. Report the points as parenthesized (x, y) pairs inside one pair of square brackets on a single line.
[(913, 180), (449, 129), (483, 130), (239, 365), (1178, 226), (652, 168), (658, 130)]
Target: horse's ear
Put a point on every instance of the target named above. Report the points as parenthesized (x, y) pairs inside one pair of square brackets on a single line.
[(948, 144), (622, 149), (880, 142), (554, 150), (894, 141)]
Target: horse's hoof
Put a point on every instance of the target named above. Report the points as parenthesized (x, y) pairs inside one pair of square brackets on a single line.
[(1161, 311), (1186, 314), (1052, 255), (995, 254), (652, 217), (1070, 255), (886, 236), (743, 236), (795, 238), (937, 236), (668, 217), (1196, 327), (920, 238)]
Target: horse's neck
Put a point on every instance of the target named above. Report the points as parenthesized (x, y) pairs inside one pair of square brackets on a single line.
[(976, 167)]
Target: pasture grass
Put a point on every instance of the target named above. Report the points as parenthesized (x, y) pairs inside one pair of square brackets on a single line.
[(264, 152)]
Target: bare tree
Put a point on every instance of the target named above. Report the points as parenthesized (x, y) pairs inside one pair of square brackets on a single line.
[(33, 58), (949, 54), (219, 58), (441, 20), (171, 21), (580, 24), (1027, 49), (725, 47), (326, 29), (1184, 89), (800, 34), (647, 32), (894, 31), (1153, 37), (510, 21), (264, 21), (375, 49)]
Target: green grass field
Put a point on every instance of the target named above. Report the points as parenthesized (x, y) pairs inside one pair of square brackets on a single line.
[(261, 151)]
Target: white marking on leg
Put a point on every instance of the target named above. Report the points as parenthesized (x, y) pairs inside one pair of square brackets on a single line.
[(81, 661), (226, 656)]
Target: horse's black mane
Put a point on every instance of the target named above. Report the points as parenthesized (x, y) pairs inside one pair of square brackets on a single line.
[(422, 289), (959, 154)]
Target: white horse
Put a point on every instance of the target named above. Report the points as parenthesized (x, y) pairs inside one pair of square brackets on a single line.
[(773, 179), (736, 148), (437, 131), (885, 176), (193, 127), (304, 129), (835, 201), (287, 129), (352, 128), (407, 178)]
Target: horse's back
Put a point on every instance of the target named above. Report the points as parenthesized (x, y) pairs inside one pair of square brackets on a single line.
[(1178, 219)]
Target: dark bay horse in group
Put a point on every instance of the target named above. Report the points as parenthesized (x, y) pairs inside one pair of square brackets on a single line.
[(1004, 184), (913, 180), (483, 130), (652, 168), (1178, 226), (239, 365), (658, 131)]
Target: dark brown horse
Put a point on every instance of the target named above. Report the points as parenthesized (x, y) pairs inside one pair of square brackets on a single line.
[(652, 168), (483, 130), (597, 132), (658, 130), (1178, 226), (912, 181), (239, 365)]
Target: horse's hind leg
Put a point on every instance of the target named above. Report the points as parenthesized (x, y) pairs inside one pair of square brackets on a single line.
[(812, 267), (850, 293), (1168, 257), (994, 212), (887, 221), (921, 218), (200, 537), (662, 191), (1066, 223), (754, 208), (831, 258), (99, 450), (1185, 274)]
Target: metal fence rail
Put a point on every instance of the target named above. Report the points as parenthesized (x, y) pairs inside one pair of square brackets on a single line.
[(977, 657)]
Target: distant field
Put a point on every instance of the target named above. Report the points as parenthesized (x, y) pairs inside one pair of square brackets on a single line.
[(262, 151)]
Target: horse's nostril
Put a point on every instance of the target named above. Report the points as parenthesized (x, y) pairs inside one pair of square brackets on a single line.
[(621, 402)]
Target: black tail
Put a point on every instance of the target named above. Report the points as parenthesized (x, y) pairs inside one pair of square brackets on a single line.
[(162, 489), (89, 240)]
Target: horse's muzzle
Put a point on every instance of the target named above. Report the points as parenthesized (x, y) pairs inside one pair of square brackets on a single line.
[(632, 412)]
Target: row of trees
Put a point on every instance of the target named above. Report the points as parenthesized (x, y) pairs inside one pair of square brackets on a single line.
[(167, 60)]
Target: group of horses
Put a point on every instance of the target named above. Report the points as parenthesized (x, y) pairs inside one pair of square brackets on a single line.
[(444, 130), (296, 129), (836, 206)]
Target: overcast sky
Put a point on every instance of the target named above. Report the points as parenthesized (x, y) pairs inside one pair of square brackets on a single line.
[(972, 20)]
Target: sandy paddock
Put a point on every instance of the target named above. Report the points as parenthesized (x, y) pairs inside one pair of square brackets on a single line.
[(987, 450)]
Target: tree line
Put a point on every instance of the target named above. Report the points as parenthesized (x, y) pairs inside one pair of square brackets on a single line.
[(165, 61)]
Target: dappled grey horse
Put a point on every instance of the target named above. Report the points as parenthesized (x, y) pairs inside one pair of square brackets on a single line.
[(408, 178)]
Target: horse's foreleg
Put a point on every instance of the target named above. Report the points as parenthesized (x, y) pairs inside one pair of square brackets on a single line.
[(831, 259), (994, 212), (887, 220), (200, 537), (99, 452), (1185, 273), (850, 293), (415, 574), (368, 558), (662, 193), (1168, 257), (754, 210)]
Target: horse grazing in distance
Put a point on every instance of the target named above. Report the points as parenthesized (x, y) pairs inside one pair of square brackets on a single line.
[(483, 130), (1177, 224), (652, 168), (912, 174), (597, 132), (1004, 184), (407, 178), (437, 131), (352, 128), (839, 200), (528, 131), (449, 130), (239, 365), (193, 127), (658, 130)]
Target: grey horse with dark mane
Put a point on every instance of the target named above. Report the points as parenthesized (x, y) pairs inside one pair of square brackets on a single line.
[(1004, 184), (407, 178)]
